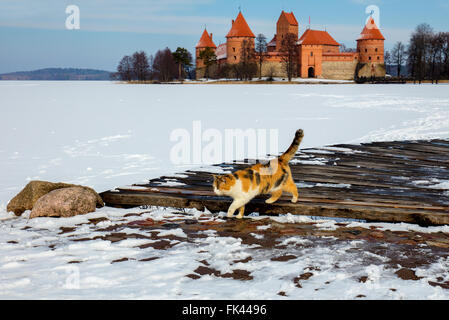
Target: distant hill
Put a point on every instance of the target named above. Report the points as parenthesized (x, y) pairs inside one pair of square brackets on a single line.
[(58, 74)]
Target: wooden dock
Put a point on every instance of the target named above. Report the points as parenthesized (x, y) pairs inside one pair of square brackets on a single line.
[(400, 181)]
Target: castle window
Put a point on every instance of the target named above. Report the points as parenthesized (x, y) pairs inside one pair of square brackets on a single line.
[(370, 58), (233, 49), (378, 58), (235, 58), (376, 49), (311, 54), (366, 50)]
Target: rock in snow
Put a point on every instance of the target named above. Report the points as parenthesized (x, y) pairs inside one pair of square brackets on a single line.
[(65, 202), (34, 190)]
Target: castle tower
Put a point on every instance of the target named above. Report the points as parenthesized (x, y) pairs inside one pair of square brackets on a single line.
[(240, 31), (312, 45), (287, 23), (205, 42), (370, 44)]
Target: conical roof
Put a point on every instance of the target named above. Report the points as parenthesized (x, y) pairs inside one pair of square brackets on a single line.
[(240, 28), (206, 41), (371, 31), (314, 37)]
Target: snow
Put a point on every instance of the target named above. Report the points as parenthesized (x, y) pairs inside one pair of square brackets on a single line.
[(105, 135)]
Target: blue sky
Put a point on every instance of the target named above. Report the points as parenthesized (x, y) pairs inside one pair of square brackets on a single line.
[(33, 33)]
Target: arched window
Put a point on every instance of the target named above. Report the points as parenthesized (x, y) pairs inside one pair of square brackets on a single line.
[(311, 54), (376, 49)]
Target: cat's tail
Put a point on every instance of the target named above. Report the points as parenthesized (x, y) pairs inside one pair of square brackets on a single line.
[(287, 155)]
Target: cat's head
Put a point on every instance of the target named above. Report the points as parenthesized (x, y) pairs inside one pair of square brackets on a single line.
[(222, 183)]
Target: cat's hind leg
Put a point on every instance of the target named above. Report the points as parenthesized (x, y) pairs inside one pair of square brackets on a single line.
[(291, 188), (275, 195)]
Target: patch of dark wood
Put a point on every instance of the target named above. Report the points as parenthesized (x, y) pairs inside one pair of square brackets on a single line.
[(381, 181)]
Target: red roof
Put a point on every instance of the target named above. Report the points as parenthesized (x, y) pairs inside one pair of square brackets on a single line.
[(206, 41), (371, 31), (272, 43), (311, 37), (240, 28), (290, 18)]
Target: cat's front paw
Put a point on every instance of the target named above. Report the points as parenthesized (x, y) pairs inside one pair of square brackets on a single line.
[(294, 200)]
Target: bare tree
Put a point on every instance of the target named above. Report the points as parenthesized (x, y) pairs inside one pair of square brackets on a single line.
[(445, 51), (246, 68), (398, 56), (141, 66), (387, 57), (164, 66), (343, 48), (437, 43), (125, 69), (289, 55), (261, 49), (418, 51)]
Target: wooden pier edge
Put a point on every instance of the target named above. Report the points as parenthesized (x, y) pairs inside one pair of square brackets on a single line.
[(371, 214)]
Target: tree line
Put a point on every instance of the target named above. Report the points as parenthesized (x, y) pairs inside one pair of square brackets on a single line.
[(164, 66), (426, 57)]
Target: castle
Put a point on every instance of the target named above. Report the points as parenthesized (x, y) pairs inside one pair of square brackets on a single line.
[(318, 53)]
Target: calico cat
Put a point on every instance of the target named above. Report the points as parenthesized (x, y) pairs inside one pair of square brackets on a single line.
[(271, 178)]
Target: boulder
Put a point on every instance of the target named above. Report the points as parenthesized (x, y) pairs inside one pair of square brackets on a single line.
[(65, 202), (26, 198)]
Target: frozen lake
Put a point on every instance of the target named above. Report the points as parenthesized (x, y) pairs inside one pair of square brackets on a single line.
[(103, 135)]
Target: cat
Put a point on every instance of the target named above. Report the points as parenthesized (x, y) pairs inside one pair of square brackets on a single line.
[(272, 178)]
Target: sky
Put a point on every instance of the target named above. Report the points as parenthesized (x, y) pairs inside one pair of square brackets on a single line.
[(33, 33)]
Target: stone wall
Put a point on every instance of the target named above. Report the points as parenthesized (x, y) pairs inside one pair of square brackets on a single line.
[(274, 68), (372, 69), (339, 70)]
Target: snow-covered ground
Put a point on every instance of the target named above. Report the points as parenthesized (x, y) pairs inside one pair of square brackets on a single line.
[(104, 135)]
